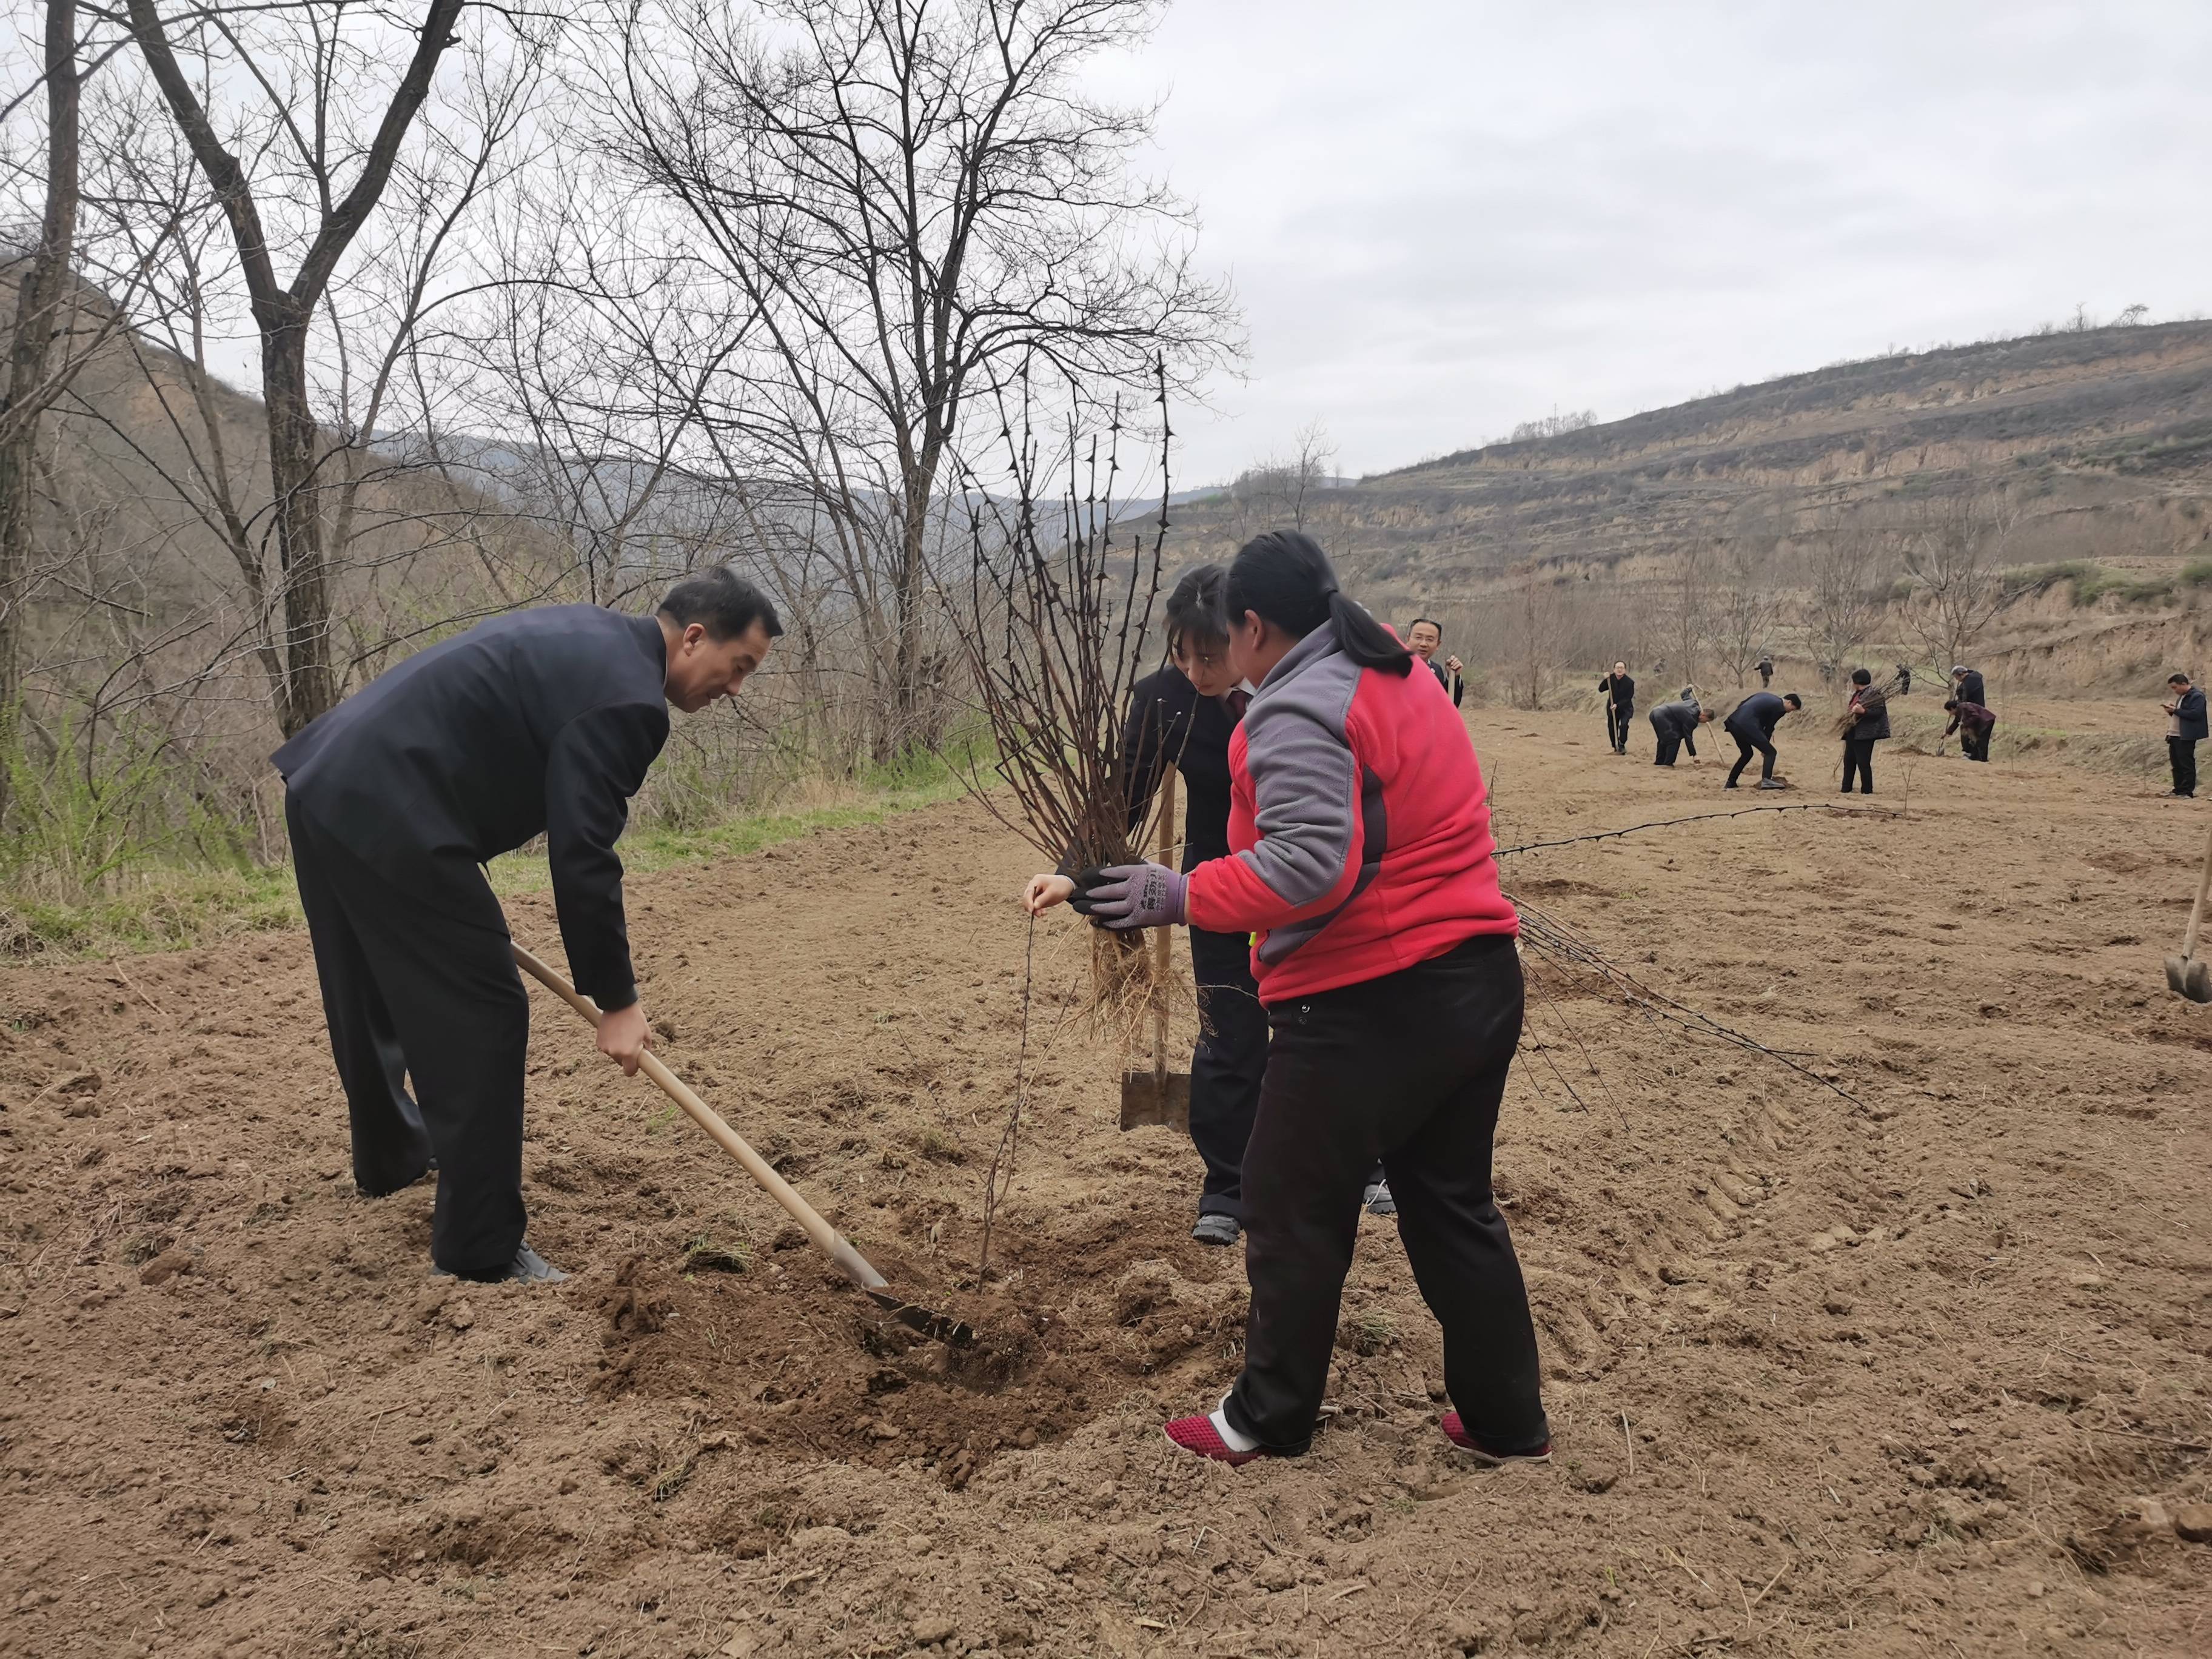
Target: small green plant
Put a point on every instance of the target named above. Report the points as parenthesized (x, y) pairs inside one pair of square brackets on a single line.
[(1369, 1331), (2198, 573), (703, 1254), (934, 1143)]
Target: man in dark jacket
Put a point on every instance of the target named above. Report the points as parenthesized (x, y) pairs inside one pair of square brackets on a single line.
[(2184, 730), (540, 722), (1765, 672), (1966, 688), (1620, 693), (1865, 723), (1675, 725), (1752, 725), (1424, 637)]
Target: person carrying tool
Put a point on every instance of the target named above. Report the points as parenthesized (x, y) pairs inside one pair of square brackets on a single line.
[(1620, 693), (1967, 690), (1363, 864), (1973, 724), (540, 722), (1675, 723), (1424, 637), (1865, 723), (1751, 724), (2184, 730), (1183, 716)]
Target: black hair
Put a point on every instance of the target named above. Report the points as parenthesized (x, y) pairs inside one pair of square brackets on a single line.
[(1431, 621), (1793, 699), (1194, 608), (2176, 678), (723, 603), (1951, 705), (1861, 676), (1285, 578)]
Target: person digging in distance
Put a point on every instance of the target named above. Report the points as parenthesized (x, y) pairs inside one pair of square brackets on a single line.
[(541, 722), (1425, 638), (1620, 693), (1363, 864), (1675, 725), (1903, 679), (1865, 723), (1973, 722), (1751, 724), (2184, 730), (1183, 716)]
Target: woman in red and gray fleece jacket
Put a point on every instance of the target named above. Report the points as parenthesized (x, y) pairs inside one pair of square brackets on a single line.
[(1361, 862)]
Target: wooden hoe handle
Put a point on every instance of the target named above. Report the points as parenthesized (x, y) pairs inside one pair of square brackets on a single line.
[(827, 1239), (2197, 912)]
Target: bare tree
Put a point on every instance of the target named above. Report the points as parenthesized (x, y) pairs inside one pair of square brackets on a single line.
[(1745, 602), (914, 203), (1539, 626), (1283, 488), (1687, 613), (1953, 556), (1846, 577)]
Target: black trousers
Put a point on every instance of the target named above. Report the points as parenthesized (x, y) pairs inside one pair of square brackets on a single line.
[(1858, 759), (1226, 1067), (1975, 745), (418, 983), (1410, 1067), (1745, 748), (1670, 747), (2181, 753), (1617, 718)]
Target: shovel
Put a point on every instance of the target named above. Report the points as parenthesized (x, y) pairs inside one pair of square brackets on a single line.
[(942, 1328), (1159, 1096), (2189, 974)]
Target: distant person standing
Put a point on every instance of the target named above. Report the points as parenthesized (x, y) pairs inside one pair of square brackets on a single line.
[(1675, 725), (1765, 672), (1973, 724), (1967, 690), (1752, 725), (1904, 679), (1620, 691), (2184, 730), (1865, 724), (1423, 638)]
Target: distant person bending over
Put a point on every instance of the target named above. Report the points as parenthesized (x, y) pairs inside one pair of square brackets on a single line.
[(1620, 693), (1973, 724), (2184, 730), (1865, 724), (1752, 725), (1364, 870), (1675, 723), (1184, 716), (1425, 638), (1966, 687), (1765, 672)]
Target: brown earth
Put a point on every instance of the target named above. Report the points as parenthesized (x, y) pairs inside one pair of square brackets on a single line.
[(1916, 1367)]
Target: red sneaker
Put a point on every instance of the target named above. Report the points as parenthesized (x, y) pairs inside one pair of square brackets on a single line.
[(1455, 1431), (1199, 1435)]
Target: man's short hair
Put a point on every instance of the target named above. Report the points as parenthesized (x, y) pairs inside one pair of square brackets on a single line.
[(2177, 679), (1861, 676), (724, 604), (1431, 621), (1793, 699), (1949, 706)]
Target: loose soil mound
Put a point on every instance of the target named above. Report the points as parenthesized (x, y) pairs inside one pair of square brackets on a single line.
[(1917, 1367)]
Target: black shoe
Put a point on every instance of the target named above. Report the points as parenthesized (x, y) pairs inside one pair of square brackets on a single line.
[(1214, 1228), (360, 1191), (528, 1267)]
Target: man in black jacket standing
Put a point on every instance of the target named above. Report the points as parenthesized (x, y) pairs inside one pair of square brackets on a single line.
[(540, 722), (1620, 693), (1752, 725), (2184, 729), (1425, 637)]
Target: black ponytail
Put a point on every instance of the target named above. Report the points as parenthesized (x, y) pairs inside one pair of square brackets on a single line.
[(1194, 608), (1286, 578)]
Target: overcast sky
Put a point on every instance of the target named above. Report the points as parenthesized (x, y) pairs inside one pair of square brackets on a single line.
[(1444, 217)]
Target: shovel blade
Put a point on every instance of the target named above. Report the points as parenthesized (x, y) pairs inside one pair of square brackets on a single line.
[(939, 1328), (2190, 977), (1149, 1097)]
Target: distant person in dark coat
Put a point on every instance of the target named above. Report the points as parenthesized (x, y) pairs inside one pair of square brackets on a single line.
[(1423, 638), (1765, 672), (2184, 730), (541, 722), (1620, 693), (1903, 679), (1865, 723), (1675, 725), (1966, 687), (1751, 724), (1973, 724)]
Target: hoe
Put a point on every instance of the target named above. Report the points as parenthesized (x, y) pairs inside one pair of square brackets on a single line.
[(2189, 974), (942, 1328)]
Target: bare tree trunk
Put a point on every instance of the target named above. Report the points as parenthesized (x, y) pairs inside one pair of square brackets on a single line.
[(39, 300)]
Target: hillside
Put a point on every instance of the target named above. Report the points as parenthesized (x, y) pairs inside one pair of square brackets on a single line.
[(2101, 438)]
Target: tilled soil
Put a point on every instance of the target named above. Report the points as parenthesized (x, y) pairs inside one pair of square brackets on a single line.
[(1916, 1363)]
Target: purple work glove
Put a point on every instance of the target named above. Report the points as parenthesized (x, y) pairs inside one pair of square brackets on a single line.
[(1123, 896)]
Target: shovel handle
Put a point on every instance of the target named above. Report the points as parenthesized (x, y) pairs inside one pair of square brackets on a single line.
[(2197, 912), (1163, 937), (826, 1238)]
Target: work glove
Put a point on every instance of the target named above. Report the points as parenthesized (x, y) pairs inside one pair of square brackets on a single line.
[(1123, 896)]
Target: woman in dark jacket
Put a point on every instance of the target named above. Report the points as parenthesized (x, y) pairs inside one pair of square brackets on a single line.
[(1362, 865), (1183, 717), (1865, 724)]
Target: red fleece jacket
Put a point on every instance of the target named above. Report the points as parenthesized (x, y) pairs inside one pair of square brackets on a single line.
[(1359, 826)]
